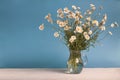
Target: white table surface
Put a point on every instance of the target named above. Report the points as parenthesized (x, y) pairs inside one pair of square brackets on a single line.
[(58, 74)]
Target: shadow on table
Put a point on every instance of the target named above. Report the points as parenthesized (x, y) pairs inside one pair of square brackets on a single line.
[(57, 70)]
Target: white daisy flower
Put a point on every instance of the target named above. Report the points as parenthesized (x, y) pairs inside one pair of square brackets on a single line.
[(79, 29), (112, 25), (58, 21), (49, 19), (102, 28), (72, 39), (88, 12), (85, 33), (41, 27), (87, 37), (62, 24), (92, 5), (88, 18), (59, 11), (95, 22), (77, 12), (74, 7), (66, 10), (67, 28), (56, 34), (60, 15), (90, 32)]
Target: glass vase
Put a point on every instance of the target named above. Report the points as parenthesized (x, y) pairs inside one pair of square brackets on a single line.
[(75, 62)]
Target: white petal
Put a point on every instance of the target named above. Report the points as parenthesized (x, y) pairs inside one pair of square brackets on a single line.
[(110, 32)]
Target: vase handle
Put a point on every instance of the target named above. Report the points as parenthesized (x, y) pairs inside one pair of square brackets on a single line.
[(84, 58)]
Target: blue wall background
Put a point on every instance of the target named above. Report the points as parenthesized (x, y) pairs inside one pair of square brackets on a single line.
[(23, 45)]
